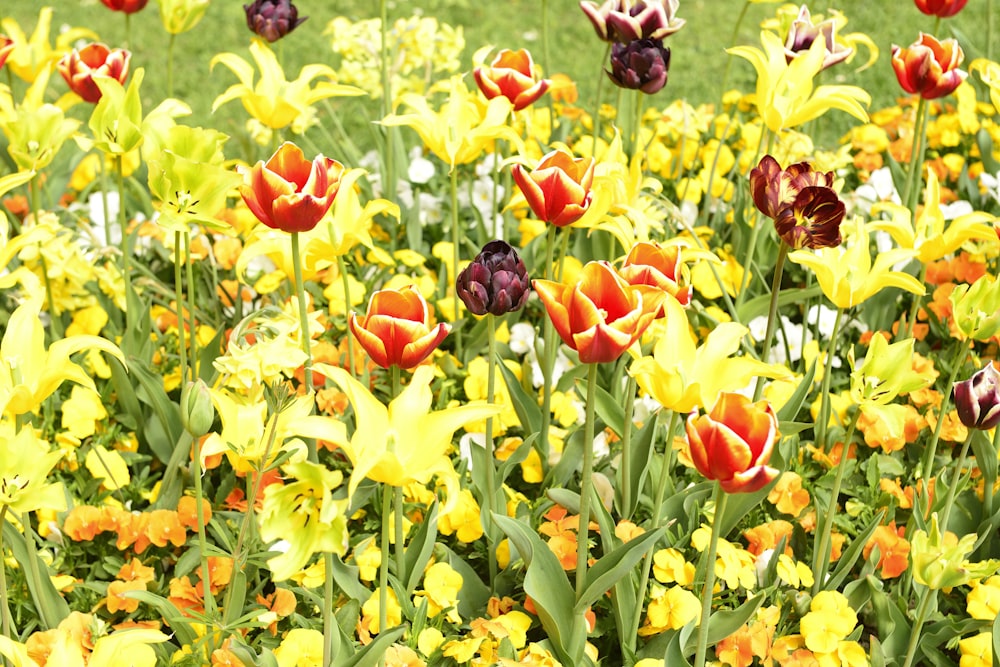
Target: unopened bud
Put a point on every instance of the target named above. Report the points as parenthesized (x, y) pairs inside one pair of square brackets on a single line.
[(197, 410)]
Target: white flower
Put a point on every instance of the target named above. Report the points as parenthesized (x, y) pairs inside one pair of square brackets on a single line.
[(522, 338), (991, 184), (879, 188), (95, 206), (421, 170), (465, 444)]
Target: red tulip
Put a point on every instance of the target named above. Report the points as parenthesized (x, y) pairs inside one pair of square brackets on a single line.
[(558, 190), (290, 193), (396, 330), (6, 46), (657, 266), (733, 443), (127, 6), (79, 67), (512, 75), (600, 316), (806, 210), (929, 67), (940, 8)]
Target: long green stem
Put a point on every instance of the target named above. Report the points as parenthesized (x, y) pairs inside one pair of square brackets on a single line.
[(821, 554), (586, 482), (989, 481), (192, 300), (455, 238), (625, 477), (914, 176), (926, 596), (397, 494), (389, 131), (383, 570), (824, 407), (491, 473), (732, 42), (328, 619), (548, 359), (721, 498), (342, 267), (772, 313), (300, 292), (956, 481), (179, 307), (659, 495), (961, 350), (4, 608), (126, 251)]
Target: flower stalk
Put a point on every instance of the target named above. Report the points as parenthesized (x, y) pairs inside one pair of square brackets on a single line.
[(721, 498), (586, 483), (821, 553)]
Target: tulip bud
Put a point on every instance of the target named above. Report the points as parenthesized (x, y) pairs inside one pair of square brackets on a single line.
[(641, 64), (272, 19), (197, 410), (978, 399), (495, 282)]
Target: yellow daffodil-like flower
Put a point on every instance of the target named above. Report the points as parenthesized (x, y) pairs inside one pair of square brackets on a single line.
[(847, 275), (33, 55), (785, 94), (28, 372), (273, 100), (682, 375), (942, 563), (385, 446), (25, 463), (465, 126), (927, 236), (303, 513)]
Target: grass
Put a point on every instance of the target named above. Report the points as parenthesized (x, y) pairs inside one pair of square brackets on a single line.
[(698, 56)]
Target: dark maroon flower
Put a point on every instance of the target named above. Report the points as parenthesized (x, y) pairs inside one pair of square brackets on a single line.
[(978, 399), (495, 282), (802, 203), (272, 19), (803, 33), (640, 65), (628, 20)]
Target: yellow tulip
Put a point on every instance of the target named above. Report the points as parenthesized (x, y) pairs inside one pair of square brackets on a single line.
[(785, 94), (32, 55), (28, 372), (25, 462), (464, 127), (846, 273), (273, 100), (989, 72), (927, 235), (404, 442), (682, 375)]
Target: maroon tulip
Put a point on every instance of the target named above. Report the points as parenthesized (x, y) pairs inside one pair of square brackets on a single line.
[(640, 65), (272, 19), (495, 281), (977, 399)]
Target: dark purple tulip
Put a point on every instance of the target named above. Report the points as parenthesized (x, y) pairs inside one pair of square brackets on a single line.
[(978, 399), (640, 65), (495, 282), (272, 19)]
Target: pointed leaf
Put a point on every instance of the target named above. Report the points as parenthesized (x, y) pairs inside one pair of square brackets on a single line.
[(613, 567), (526, 407), (419, 550)]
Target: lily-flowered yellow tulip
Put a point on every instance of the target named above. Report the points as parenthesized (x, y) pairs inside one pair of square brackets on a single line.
[(886, 372), (464, 127), (32, 55), (35, 129), (989, 72), (976, 309), (273, 100), (927, 236), (28, 372), (785, 94), (846, 273), (405, 442), (25, 462), (682, 375)]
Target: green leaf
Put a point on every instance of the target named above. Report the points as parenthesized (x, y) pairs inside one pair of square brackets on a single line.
[(608, 409), (614, 566), (641, 447), (546, 583), (758, 306), (163, 439), (179, 624), (370, 655), (51, 606), (419, 550), (347, 579), (852, 554), (724, 623), (791, 408), (525, 405)]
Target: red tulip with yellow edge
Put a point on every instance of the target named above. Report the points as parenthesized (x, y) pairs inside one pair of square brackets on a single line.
[(929, 67), (558, 190), (600, 316), (512, 75), (80, 66), (397, 329), (289, 192), (649, 263), (733, 443), (6, 46)]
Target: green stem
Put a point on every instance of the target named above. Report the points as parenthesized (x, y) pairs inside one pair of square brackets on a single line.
[(926, 596), (989, 29), (732, 42), (126, 252), (202, 540), (342, 266), (586, 482), (548, 359), (192, 300), (625, 477), (179, 308), (721, 498), (821, 554), (660, 494), (772, 313), (328, 619), (914, 175), (636, 138), (824, 406), (546, 63), (300, 292), (397, 493), (988, 483), (755, 232), (383, 571), (455, 237), (4, 607), (491, 473), (389, 131), (961, 350), (956, 481)]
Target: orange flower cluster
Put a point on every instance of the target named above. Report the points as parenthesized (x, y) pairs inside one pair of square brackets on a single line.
[(135, 530)]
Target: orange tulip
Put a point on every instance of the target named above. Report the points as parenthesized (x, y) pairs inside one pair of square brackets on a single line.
[(290, 193), (649, 263), (79, 67), (511, 74), (6, 46), (558, 190), (600, 316), (929, 67), (396, 330), (733, 443)]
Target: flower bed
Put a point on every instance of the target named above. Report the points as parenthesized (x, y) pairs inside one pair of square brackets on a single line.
[(515, 379)]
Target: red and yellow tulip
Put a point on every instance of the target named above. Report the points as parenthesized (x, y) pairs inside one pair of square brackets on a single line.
[(397, 329)]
